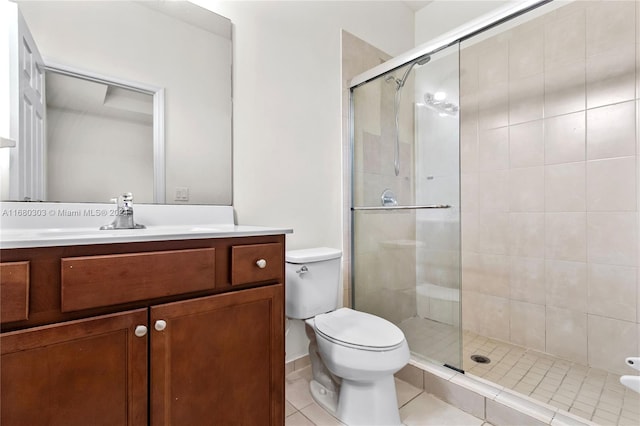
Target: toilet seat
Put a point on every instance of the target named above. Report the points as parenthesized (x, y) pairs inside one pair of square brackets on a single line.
[(359, 330)]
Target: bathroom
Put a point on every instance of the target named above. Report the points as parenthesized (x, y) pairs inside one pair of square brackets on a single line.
[(291, 103)]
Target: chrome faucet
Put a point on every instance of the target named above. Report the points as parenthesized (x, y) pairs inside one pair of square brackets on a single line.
[(124, 214)]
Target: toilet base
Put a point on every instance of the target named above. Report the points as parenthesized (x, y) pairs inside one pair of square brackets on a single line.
[(369, 403), (325, 398), (360, 404)]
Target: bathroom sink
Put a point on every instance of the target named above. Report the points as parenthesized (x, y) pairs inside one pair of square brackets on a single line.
[(179, 229), (80, 233)]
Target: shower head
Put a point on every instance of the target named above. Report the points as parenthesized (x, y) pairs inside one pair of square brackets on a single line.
[(421, 60)]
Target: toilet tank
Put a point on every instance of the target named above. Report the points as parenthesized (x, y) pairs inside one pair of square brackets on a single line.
[(312, 281)]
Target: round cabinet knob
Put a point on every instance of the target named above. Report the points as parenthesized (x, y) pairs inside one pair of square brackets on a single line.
[(261, 263), (160, 325), (140, 331)]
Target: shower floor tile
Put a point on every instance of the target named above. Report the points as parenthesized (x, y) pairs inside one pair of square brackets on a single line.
[(594, 394)]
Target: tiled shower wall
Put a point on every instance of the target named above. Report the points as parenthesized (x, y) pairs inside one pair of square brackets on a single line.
[(549, 164), (384, 260)]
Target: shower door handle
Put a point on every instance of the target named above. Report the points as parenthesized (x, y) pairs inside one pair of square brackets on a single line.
[(430, 206)]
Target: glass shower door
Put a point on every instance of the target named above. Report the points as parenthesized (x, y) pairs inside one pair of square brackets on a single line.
[(406, 203)]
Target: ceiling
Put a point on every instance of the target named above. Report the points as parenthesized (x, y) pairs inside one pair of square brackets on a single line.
[(417, 5)]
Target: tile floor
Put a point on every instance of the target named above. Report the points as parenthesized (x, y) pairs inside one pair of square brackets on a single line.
[(416, 406), (590, 393)]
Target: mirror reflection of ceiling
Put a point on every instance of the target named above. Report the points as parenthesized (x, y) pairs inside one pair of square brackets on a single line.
[(107, 100), (174, 45)]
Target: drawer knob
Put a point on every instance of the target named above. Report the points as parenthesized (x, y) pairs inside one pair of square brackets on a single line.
[(140, 331), (160, 325), (261, 263)]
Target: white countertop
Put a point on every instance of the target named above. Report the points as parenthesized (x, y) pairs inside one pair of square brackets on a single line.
[(24, 225), (48, 237)]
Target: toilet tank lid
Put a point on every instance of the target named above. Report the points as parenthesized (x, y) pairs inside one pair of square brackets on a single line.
[(316, 254)]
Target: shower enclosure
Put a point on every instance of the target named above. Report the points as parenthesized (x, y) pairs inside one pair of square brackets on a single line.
[(406, 201), (495, 203)]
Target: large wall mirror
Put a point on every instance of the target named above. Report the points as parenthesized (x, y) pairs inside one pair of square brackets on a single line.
[(137, 98)]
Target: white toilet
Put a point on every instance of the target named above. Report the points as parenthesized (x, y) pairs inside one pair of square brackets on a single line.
[(354, 355)]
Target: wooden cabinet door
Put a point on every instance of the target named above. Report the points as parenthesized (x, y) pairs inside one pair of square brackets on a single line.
[(84, 372), (219, 360)]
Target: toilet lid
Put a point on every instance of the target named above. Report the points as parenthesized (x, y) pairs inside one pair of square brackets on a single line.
[(358, 328)]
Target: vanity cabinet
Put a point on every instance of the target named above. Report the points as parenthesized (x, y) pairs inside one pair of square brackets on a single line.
[(84, 372), (157, 351)]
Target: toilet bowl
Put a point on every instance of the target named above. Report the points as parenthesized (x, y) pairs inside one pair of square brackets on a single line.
[(354, 355)]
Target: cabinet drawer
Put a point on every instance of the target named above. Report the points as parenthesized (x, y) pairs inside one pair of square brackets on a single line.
[(247, 266), (14, 291), (94, 281)]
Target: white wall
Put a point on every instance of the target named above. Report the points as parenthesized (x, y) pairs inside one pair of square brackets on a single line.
[(442, 16), (287, 107), (287, 167), (94, 158)]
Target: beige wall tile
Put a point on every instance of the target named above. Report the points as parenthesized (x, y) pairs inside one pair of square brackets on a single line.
[(611, 184), (526, 234), (565, 236), (469, 192), (611, 76), (469, 83), (493, 64), (638, 61), (610, 341), (494, 191), (493, 232), (608, 25), (612, 238), (566, 285), (565, 187), (527, 279), (526, 53), (526, 189), (456, 395), (565, 89), (564, 138), (493, 275), (493, 149), (611, 131), (469, 228), (469, 145), (526, 98), (493, 317), (500, 414), (566, 334), (472, 274), (528, 325), (565, 39), (526, 144), (612, 291), (412, 375), (493, 106)]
